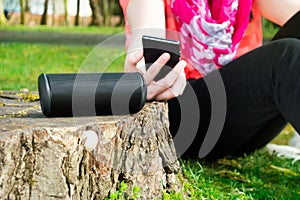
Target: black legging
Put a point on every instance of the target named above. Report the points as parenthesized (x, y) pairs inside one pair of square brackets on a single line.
[(261, 92)]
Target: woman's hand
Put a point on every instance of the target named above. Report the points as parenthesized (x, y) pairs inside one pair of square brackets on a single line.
[(172, 85)]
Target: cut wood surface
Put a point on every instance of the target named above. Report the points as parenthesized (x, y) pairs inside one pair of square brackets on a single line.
[(86, 157)]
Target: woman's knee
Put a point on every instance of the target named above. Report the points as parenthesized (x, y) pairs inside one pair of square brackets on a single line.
[(288, 44), (286, 53)]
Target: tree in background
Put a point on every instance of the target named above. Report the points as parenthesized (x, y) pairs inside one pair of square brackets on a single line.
[(45, 13), (103, 10), (77, 13), (96, 13), (53, 12), (2, 16), (119, 12), (106, 6), (66, 12), (27, 8), (22, 9)]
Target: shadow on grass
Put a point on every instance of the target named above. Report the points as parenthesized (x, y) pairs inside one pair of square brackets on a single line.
[(255, 176)]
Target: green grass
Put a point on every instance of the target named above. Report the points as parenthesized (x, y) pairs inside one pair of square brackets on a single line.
[(65, 29), (256, 176), (21, 64), (269, 29)]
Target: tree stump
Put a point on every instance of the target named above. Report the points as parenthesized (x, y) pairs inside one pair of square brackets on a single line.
[(61, 158)]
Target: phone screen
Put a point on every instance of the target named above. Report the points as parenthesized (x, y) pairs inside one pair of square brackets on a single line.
[(154, 47)]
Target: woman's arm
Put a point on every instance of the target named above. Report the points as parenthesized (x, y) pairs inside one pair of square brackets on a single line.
[(146, 14), (278, 11), (147, 17)]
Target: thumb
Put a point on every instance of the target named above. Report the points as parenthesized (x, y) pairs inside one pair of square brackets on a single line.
[(132, 59)]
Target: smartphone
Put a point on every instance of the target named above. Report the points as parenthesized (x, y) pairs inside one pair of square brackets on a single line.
[(154, 47)]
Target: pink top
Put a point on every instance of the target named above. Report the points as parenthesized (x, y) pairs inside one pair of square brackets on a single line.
[(182, 23)]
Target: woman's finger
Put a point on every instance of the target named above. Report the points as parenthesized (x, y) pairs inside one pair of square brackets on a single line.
[(169, 87), (154, 69), (154, 89), (171, 77), (132, 59), (166, 95), (175, 91), (179, 85), (141, 66)]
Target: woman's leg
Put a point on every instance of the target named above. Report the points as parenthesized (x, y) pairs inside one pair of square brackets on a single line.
[(291, 29), (262, 87), (248, 126)]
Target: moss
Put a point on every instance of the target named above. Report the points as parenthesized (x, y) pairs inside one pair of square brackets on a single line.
[(22, 113), (29, 97)]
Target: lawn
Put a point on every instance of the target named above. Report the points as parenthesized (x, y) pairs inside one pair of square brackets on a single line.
[(255, 176), (21, 64), (64, 29)]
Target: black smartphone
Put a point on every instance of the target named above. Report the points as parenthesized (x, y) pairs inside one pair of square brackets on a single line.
[(154, 47)]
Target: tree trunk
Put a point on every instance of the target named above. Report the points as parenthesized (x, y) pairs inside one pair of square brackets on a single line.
[(106, 10), (22, 10), (77, 13), (66, 12), (84, 158), (45, 13), (53, 12), (96, 13), (27, 8), (119, 12), (2, 16)]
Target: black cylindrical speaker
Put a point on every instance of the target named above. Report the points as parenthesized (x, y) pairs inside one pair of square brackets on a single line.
[(91, 94)]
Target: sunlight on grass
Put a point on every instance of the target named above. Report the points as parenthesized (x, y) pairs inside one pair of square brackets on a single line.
[(21, 64), (284, 137), (65, 29), (256, 176)]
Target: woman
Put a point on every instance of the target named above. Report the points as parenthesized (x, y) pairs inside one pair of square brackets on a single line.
[(244, 95)]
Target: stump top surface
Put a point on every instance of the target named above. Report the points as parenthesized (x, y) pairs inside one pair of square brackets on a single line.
[(17, 113)]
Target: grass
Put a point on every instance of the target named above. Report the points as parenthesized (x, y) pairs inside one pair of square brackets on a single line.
[(258, 175), (255, 176), (269, 29), (65, 29), (21, 64)]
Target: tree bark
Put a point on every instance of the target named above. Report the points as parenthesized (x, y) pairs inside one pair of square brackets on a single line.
[(66, 12), (119, 12), (45, 13), (53, 158), (106, 10), (77, 13), (53, 12), (22, 10), (27, 7), (96, 13), (2, 16)]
